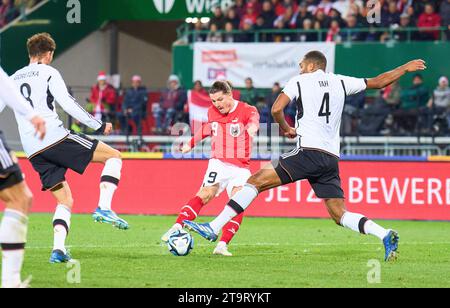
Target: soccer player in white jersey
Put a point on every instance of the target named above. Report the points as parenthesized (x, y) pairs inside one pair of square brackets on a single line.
[(42, 86), (320, 99), (14, 191)]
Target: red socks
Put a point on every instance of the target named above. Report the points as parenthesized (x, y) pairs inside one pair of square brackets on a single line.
[(231, 228), (191, 210)]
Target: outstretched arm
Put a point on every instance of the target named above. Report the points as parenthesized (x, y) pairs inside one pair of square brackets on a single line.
[(201, 134), (387, 78)]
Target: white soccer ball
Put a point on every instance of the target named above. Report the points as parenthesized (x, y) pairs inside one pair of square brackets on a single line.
[(180, 243)]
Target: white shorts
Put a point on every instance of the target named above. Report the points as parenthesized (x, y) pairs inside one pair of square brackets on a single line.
[(228, 176)]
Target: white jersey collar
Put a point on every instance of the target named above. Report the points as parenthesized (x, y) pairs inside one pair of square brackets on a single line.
[(236, 103)]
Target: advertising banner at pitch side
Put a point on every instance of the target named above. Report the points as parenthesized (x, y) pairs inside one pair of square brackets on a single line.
[(380, 190), (265, 63)]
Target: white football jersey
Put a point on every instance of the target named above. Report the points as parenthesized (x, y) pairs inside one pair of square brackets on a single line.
[(320, 99), (42, 85), (9, 96)]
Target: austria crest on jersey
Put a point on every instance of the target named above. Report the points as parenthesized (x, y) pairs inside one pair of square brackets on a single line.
[(235, 130)]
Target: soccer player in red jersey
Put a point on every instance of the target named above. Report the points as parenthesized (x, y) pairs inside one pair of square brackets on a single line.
[(231, 126)]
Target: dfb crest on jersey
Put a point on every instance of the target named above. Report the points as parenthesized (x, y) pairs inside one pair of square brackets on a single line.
[(235, 130)]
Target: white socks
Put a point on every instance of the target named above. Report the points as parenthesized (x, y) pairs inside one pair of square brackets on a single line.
[(13, 234), (109, 182), (107, 191), (61, 227), (238, 204), (227, 215), (361, 224)]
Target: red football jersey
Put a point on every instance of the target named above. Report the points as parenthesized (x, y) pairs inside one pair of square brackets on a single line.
[(230, 140)]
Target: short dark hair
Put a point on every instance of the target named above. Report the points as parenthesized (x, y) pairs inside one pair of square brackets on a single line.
[(39, 44), (221, 86), (317, 58)]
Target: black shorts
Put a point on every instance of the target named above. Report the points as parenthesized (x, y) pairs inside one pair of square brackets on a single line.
[(75, 152), (319, 168), (10, 173)]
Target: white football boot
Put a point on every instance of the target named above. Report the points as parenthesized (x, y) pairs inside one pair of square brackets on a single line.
[(176, 227), (222, 250)]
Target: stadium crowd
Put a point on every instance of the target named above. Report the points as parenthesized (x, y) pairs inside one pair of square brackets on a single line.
[(336, 20), (394, 111)]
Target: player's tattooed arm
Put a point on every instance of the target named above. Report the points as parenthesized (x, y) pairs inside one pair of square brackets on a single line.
[(388, 78), (278, 114)]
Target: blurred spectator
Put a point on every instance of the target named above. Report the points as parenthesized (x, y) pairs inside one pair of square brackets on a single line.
[(419, 6), (333, 32), (325, 6), (199, 37), (250, 15), (247, 34), (271, 97), (403, 6), (378, 117), (286, 21), (391, 16), (239, 7), (259, 26), (218, 19), (283, 5), (429, 19), (439, 105), (233, 18), (171, 106), (134, 107), (413, 100), (335, 15), (256, 6), (214, 36), (268, 14), (8, 12), (416, 96), (308, 36), (198, 87), (400, 34), (249, 95), (103, 100), (321, 21), (351, 33), (445, 16), (229, 36), (302, 15), (353, 105)]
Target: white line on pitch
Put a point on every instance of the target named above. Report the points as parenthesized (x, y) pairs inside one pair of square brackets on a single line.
[(244, 245)]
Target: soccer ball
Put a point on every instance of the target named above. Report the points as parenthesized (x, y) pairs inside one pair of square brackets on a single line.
[(180, 243)]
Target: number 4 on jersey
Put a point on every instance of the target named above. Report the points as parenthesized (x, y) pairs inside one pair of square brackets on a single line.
[(325, 108)]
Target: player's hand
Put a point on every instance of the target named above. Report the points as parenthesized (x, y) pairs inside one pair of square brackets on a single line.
[(252, 130), (291, 133), (108, 129), (39, 126), (186, 149), (415, 65)]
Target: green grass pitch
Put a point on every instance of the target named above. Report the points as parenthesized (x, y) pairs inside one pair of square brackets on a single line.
[(268, 253)]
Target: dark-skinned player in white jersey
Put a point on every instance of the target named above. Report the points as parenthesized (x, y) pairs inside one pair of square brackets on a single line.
[(320, 99)]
